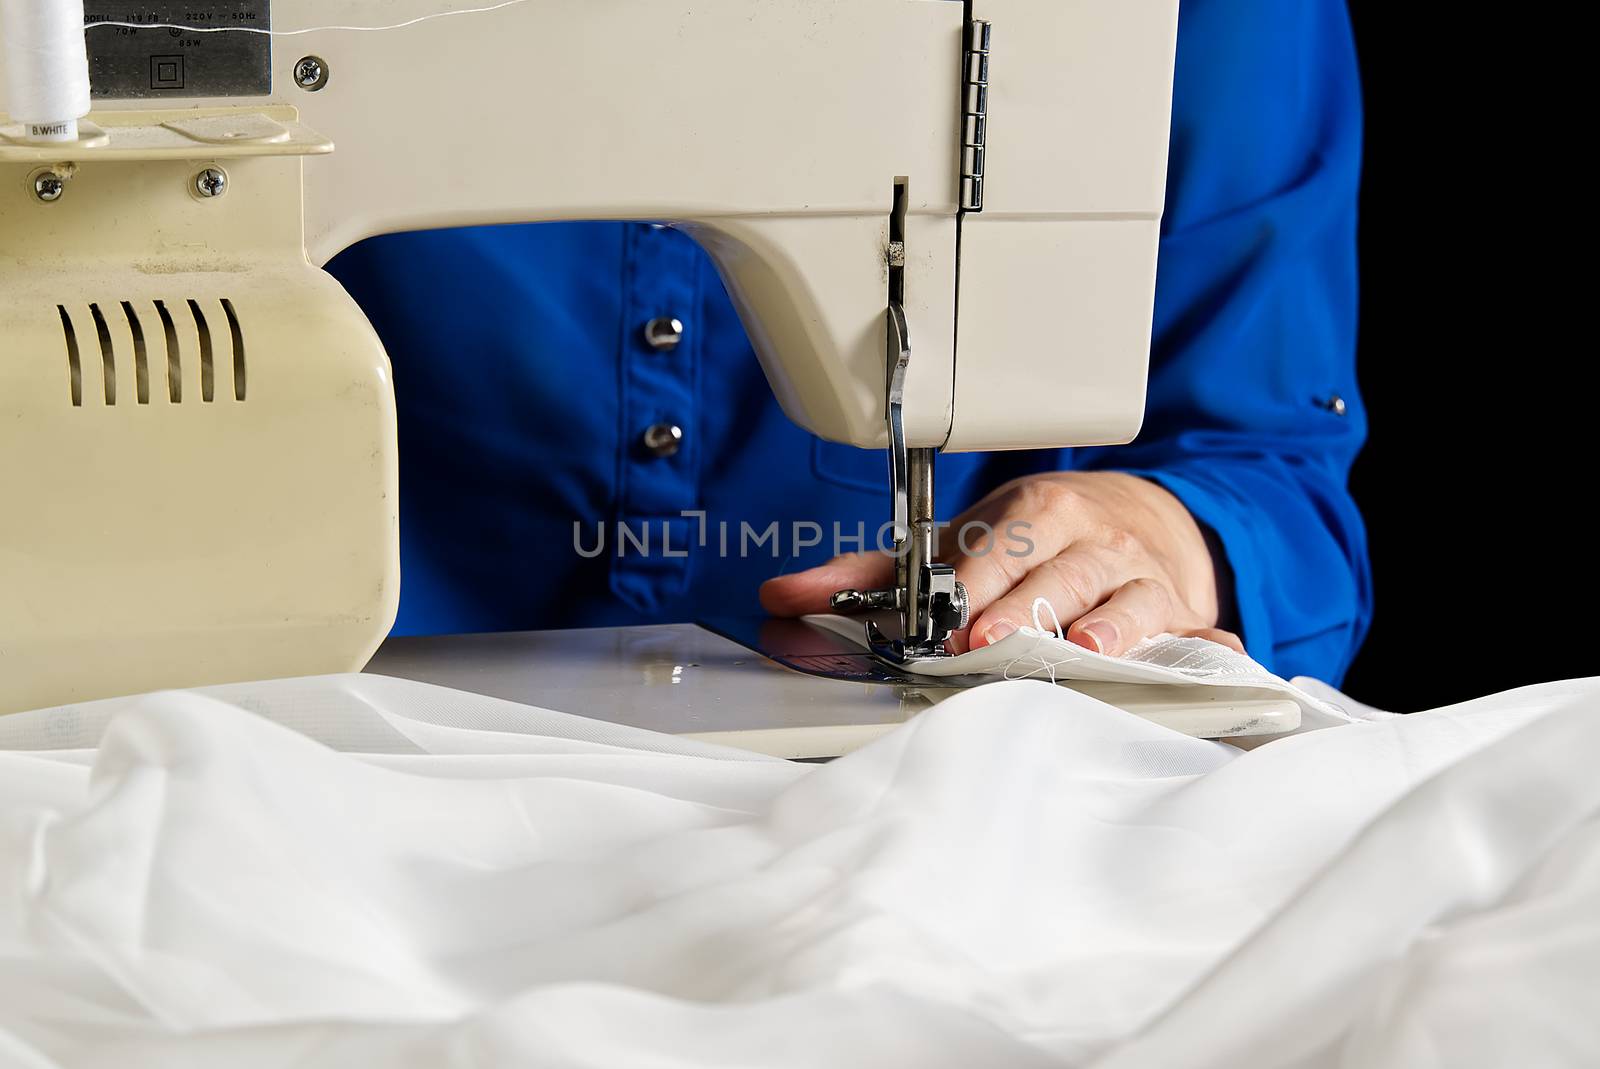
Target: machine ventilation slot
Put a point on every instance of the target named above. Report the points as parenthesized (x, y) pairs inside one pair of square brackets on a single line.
[(141, 356), (174, 357), (74, 367), (238, 349), (144, 340), (208, 371), (108, 356)]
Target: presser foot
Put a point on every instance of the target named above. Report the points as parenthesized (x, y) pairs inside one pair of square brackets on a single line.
[(942, 609)]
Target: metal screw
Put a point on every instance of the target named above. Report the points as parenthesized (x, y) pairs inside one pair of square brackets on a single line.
[(48, 187), (311, 73), (211, 182), (1336, 405), (851, 601)]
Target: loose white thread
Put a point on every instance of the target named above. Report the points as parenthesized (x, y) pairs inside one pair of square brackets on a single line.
[(1042, 606), (1044, 603), (487, 9)]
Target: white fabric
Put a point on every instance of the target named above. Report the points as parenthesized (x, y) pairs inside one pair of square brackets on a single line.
[(370, 714), (1035, 653), (1020, 877)]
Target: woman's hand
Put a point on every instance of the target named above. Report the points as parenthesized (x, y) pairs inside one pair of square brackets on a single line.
[(1118, 558)]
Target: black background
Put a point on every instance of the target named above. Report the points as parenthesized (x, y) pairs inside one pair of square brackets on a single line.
[(1478, 480)]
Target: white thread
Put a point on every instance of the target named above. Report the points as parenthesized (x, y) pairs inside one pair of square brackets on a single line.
[(1056, 630), (47, 67), (1044, 665), (307, 29), (1041, 606)]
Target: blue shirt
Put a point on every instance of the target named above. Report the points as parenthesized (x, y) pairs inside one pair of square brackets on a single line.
[(524, 382)]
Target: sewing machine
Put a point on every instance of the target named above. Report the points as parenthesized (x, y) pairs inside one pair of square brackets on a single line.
[(922, 208)]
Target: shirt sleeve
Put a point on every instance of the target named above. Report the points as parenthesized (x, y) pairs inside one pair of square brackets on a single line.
[(1254, 417)]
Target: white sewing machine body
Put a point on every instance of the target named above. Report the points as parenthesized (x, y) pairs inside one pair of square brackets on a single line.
[(200, 476)]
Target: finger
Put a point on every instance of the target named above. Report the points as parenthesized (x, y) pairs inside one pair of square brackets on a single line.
[(1140, 608), (809, 591), (1000, 540), (1219, 636), (1072, 582), (987, 579)]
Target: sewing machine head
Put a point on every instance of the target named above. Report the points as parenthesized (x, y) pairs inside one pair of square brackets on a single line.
[(940, 234)]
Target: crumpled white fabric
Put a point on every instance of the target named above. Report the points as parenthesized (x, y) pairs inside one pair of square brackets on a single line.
[(1021, 876), (1037, 653)]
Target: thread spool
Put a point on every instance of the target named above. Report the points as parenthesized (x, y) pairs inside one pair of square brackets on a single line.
[(47, 66)]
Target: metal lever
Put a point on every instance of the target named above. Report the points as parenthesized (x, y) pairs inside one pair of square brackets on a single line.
[(931, 602)]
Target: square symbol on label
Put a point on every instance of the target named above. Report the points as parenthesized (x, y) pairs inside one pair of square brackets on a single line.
[(166, 72)]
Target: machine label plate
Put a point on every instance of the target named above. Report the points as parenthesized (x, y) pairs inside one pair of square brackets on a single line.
[(150, 63)]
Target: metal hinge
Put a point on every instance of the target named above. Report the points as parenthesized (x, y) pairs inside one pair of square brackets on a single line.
[(974, 114)]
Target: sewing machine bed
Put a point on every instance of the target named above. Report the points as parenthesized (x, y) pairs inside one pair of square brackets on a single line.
[(778, 687)]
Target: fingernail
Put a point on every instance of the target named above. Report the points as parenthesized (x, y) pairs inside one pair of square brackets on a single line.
[(1103, 633), (997, 631)]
